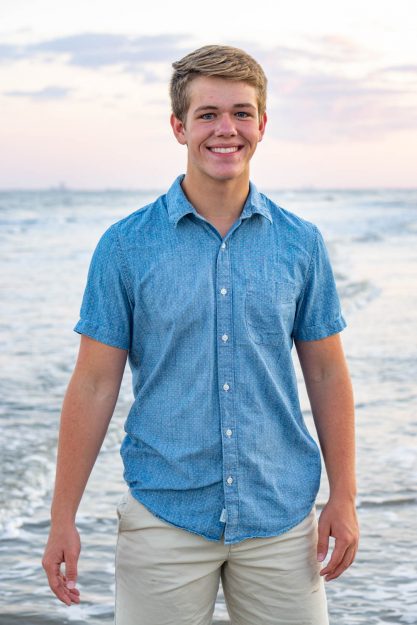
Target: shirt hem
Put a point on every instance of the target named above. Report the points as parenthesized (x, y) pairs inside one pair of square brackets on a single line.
[(83, 327), (227, 542), (175, 524), (273, 534), (315, 334)]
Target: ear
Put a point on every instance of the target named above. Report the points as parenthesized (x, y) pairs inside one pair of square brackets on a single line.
[(262, 124), (178, 128)]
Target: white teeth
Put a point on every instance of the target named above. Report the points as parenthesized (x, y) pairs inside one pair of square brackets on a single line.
[(224, 150)]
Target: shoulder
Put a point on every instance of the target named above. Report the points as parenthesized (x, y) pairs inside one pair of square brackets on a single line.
[(139, 218), (127, 232), (289, 224)]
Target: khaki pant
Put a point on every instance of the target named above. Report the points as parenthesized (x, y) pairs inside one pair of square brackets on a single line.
[(168, 576)]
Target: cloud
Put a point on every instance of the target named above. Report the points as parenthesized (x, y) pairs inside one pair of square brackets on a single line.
[(315, 102), (330, 50), (401, 77), (98, 50), (10, 52), (400, 69), (327, 108), (327, 88), (48, 93)]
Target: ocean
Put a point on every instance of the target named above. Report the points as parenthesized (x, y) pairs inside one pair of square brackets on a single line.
[(46, 242)]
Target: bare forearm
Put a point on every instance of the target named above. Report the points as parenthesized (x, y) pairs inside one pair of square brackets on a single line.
[(332, 404), (87, 409), (330, 392), (86, 413)]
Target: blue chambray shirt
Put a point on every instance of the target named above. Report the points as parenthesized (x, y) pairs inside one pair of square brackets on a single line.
[(215, 439)]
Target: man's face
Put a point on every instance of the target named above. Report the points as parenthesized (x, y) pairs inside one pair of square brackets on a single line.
[(221, 130)]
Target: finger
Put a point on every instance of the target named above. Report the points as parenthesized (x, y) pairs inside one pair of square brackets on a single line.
[(322, 541), (55, 580), (71, 573), (74, 596), (336, 558), (74, 593), (57, 586), (345, 564), (343, 548)]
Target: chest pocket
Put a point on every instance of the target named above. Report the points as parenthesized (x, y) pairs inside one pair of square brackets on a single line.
[(269, 311)]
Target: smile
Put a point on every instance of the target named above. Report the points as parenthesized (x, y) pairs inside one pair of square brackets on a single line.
[(225, 150)]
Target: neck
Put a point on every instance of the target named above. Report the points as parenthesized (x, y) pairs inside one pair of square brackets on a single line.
[(220, 201)]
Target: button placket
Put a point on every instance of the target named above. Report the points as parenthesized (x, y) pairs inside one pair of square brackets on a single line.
[(226, 385)]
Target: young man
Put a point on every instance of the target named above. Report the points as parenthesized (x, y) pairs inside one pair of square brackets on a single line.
[(206, 290)]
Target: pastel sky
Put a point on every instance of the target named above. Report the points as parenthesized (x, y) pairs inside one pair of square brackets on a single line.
[(84, 90)]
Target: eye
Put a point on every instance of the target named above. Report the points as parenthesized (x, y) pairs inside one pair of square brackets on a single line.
[(207, 116), (242, 114)]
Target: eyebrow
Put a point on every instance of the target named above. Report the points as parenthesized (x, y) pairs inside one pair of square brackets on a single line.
[(210, 107)]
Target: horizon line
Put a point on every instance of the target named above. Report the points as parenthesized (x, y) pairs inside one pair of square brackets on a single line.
[(68, 189)]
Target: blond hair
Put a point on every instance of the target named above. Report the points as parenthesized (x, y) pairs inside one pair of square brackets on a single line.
[(215, 60)]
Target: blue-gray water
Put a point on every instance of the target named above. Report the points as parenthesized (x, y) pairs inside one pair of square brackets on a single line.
[(46, 241)]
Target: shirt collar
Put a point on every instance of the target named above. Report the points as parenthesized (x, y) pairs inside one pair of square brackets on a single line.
[(178, 204)]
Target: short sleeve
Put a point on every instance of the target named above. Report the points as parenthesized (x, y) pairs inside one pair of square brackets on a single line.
[(318, 313), (106, 311)]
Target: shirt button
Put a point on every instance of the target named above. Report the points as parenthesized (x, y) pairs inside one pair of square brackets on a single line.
[(223, 246), (229, 480), (223, 291), (229, 432), (225, 338), (226, 386)]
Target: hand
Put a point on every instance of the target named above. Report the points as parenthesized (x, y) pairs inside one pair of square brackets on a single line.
[(338, 519), (63, 546)]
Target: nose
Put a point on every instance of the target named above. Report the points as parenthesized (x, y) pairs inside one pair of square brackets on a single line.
[(225, 126)]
